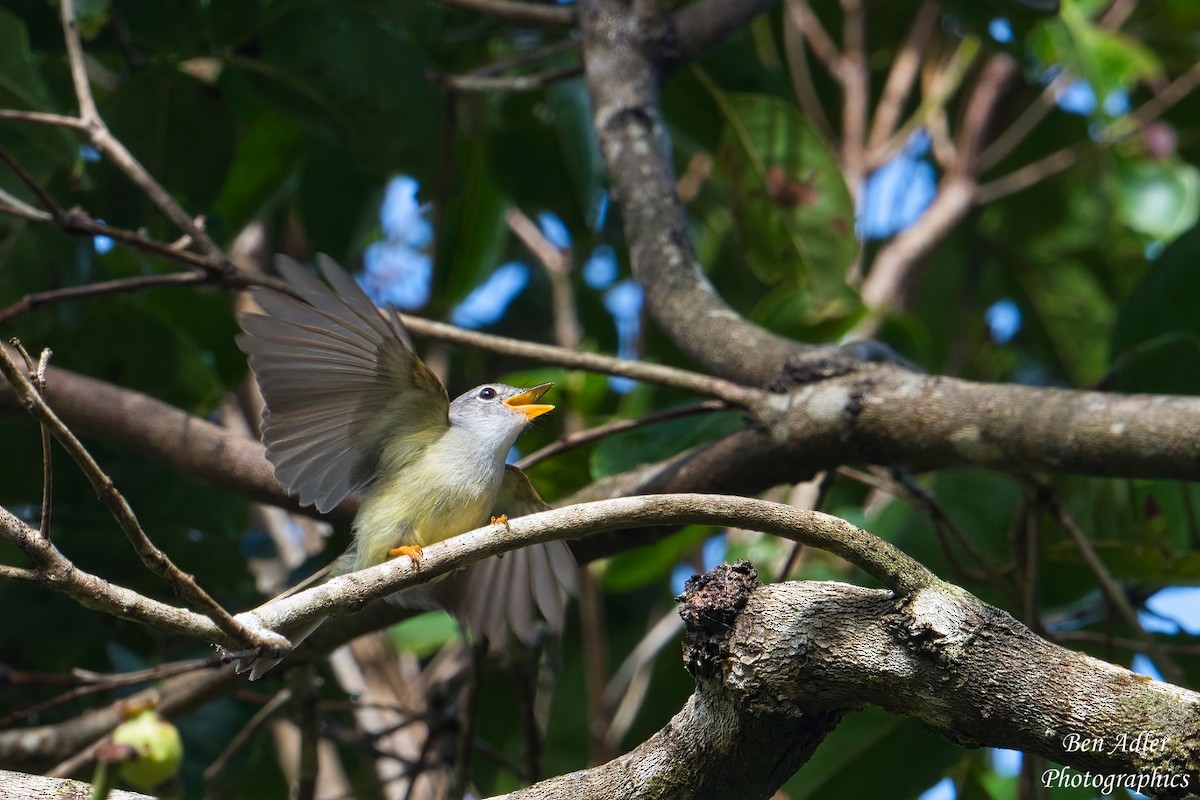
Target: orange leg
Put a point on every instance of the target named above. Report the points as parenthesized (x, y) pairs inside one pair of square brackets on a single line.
[(411, 550), (502, 520)]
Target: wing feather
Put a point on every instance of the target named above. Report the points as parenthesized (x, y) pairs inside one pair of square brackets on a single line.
[(339, 380)]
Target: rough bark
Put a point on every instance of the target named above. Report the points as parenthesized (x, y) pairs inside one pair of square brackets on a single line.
[(776, 666)]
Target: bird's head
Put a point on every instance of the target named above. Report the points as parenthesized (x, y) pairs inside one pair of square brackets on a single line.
[(495, 413)]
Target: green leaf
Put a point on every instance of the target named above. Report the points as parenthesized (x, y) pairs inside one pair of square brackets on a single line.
[(874, 754), (1156, 338), (180, 130), (1108, 61), (21, 83), (789, 201), (350, 75), (577, 137), (1159, 198), (651, 443), (92, 17), (474, 233), (424, 634), (268, 153), (636, 568)]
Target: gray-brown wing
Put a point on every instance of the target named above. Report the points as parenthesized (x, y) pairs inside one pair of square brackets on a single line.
[(338, 377), (518, 591)]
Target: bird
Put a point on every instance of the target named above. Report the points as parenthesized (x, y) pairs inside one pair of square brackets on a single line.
[(349, 408)]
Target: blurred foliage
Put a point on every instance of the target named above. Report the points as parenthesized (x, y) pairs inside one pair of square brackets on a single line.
[(297, 115)]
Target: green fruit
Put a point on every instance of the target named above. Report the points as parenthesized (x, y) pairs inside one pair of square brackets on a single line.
[(158, 747)]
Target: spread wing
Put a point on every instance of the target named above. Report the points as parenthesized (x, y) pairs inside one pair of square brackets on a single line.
[(340, 379), (510, 593)]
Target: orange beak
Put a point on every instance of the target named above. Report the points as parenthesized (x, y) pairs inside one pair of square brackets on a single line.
[(526, 401)]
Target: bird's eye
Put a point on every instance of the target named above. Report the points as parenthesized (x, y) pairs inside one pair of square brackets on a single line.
[(487, 393)]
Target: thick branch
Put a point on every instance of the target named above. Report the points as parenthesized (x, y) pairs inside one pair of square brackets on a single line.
[(623, 82), (38, 787), (777, 665)]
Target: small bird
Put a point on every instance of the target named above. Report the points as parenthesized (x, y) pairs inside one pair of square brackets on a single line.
[(350, 408)]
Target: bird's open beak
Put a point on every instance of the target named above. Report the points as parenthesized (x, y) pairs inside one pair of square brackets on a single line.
[(526, 401)]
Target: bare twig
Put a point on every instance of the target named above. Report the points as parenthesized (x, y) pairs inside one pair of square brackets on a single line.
[(823, 489), (938, 86), (32, 301), (509, 83), (115, 502), (214, 771), (1108, 585), (1032, 173), (607, 365), (902, 75), (819, 40), (302, 686), (1116, 131), (1026, 121), (595, 659), (15, 167), (42, 118), (93, 682), (557, 263), (580, 438), (76, 220), (802, 81), (1135, 645), (47, 457), (530, 56), (855, 77), (520, 12), (116, 151)]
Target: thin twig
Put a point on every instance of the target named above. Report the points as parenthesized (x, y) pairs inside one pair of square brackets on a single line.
[(468, 722), (819, 40), (302, 685), (33, 186), (31, 301), (530, 56), (76, 220), (557, 263), (1135, 645), (802, 81), (823, 489), (509, 83), (595, 659), (42, 118), (520, 12), (214, 771), (1108, 585), (116, 151), (902, 75), (1026, 121), (937, 89), (855, 78), (37, 374), (1118, 130), (1032, 173), (47, 457), (92, 683), (580, 438), (638, 370), (154, 559)]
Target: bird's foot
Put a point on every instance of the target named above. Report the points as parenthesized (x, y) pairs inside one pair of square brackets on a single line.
[(413, 551), (502, 520)]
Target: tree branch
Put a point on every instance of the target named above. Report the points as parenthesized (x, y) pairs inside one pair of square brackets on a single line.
[(151, 556), (113, 148), (623, 83), (776, 666)]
